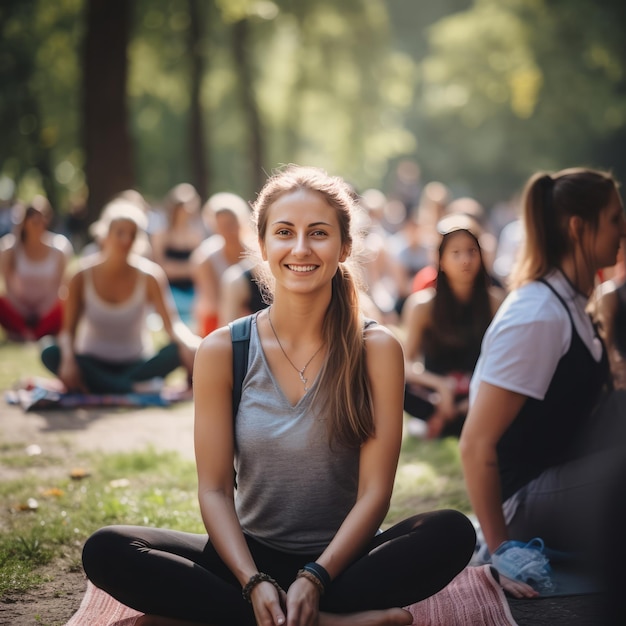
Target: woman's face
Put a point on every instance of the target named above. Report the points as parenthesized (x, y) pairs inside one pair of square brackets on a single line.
[(121, 236), (302, 242), (35, 221), (227, 224), (460, 260), (605, 242)]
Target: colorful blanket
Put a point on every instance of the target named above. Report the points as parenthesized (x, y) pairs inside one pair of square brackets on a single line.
[(473, 597)]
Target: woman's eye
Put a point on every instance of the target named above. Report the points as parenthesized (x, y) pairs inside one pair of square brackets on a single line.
[(283, 232), (318, 233)]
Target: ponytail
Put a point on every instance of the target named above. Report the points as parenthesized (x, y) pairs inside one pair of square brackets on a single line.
[(344, 378), (549, 201)]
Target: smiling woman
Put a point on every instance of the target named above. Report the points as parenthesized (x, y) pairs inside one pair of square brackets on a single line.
[(315, 447)]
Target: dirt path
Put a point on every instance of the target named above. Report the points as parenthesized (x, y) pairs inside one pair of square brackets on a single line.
[(107, 430)]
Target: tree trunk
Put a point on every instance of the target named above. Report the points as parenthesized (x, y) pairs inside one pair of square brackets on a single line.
[(107, 142), (200, 168), (241, 42)]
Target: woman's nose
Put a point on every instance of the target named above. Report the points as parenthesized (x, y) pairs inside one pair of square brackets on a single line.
[(301, 246)]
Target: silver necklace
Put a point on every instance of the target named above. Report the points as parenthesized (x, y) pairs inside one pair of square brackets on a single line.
[(303, 378)]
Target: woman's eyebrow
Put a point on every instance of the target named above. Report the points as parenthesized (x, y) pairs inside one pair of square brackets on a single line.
[(311, 225)]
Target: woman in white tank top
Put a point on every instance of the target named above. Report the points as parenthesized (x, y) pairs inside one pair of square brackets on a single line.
[(32, 265), (104, 345)]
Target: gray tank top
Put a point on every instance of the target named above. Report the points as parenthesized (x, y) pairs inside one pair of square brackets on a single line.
[(293, 490)]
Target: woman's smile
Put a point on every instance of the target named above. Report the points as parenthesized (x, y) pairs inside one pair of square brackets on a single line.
[(301, 269)]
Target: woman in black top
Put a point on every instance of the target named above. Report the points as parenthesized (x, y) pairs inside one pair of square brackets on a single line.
[(444, 328)]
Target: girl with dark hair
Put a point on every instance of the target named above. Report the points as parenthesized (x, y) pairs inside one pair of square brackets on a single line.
[(531, 446), (444, 326), (315, 444)]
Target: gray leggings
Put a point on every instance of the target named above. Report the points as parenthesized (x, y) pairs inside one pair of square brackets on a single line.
[(565, 505)]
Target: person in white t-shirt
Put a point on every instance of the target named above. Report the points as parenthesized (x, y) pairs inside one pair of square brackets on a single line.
[(541, 375)]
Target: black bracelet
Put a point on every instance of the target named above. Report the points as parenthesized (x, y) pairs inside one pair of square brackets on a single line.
[(319, 572), (255, 579)]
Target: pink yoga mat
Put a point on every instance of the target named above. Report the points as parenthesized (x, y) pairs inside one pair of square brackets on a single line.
[(473, 597)]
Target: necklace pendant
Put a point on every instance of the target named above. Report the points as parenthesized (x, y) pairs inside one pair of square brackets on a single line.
[(303, 379)]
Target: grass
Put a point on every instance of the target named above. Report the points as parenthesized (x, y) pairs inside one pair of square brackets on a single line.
[(48, 514), (49, 520), (19, 360)]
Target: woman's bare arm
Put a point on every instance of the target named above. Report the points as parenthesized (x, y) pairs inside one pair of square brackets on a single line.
[(491, 413)]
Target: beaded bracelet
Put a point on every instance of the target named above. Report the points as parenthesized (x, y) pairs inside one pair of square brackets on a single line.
[(303, 573), (255, 579)]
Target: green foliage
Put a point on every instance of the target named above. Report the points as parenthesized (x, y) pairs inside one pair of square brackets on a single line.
[(512, 87), (480, 93), (39, 104)]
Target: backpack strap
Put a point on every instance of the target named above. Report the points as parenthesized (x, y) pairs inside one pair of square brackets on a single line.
[(240, 337)]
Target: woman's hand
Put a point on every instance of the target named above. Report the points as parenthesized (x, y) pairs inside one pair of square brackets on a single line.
[(517, 588), (445, 408), (187, 353), (447, 398), (69, 375), (268, 605), (303, 603)]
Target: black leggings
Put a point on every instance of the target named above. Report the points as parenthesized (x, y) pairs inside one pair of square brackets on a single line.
[(179, 575)]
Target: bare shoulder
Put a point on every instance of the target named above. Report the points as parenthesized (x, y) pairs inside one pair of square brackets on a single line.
[(379, 341), (605, 300), (207, 248), (62, 244), (152, 270), (384, 359), (77, 279), (214, 356), (216, 349), (145, 265), (418, 306), (233, 274), (421, 299), (7, 241), (607, 289)]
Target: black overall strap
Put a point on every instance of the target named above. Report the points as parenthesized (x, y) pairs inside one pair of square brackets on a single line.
[(560, 298)]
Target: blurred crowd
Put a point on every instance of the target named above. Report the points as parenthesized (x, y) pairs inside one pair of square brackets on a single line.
[(435, 270)]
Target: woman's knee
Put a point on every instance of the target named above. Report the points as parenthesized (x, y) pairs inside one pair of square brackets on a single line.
[(101, 552), (51, 357), (454, 528)]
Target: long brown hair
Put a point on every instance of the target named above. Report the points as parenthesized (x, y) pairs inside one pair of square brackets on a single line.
[(343, 389), (548, 203), (460, 325)]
